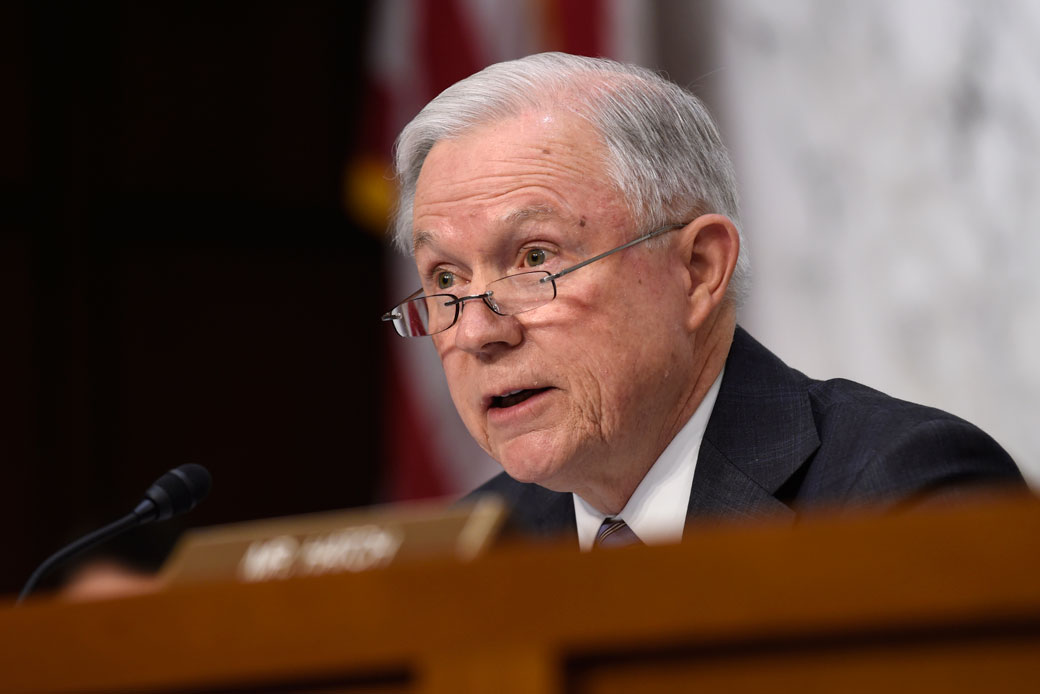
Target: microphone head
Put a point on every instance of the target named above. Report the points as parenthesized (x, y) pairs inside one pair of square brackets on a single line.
[(176, 492)]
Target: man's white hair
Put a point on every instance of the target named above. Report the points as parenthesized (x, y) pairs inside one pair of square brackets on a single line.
[(664, 152)]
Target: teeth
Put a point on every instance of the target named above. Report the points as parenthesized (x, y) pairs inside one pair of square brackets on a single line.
[(513, 392)]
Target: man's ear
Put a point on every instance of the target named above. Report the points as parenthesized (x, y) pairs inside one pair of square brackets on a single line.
[(709, 245)]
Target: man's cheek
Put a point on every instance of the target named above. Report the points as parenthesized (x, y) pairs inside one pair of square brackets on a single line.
[(464, 400), (475, 423)]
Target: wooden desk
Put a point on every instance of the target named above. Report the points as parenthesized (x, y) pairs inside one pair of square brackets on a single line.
[(944, 600)]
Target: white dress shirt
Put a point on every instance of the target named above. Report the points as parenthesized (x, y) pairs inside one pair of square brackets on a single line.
[(656, 511)]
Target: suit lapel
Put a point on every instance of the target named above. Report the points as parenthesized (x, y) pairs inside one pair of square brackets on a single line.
[(722, 490), (760, 433)]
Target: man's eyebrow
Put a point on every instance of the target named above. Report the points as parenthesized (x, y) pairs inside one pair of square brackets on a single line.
[(420, 239), (529, 212)]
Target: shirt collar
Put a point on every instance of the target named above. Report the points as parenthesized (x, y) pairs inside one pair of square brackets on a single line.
[(656, 511)]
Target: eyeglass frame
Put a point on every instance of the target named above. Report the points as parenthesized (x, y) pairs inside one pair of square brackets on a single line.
[(459, 301)]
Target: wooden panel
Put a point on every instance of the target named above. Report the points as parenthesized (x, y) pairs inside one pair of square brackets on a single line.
[(1000, 660)]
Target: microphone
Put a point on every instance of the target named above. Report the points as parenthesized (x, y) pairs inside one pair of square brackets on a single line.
[(176, 492)]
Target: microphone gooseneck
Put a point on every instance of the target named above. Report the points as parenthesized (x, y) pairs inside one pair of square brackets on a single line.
[(176, 492)]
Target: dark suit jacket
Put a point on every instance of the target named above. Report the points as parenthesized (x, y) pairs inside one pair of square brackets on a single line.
[(779, 442)]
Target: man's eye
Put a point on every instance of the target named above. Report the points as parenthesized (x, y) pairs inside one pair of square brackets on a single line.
[(444, 280), (535, 256)]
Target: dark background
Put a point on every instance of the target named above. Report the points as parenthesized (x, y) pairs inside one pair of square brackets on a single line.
[(179, 281)]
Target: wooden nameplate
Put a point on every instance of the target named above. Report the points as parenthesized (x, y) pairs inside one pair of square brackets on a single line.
[(334, 542)]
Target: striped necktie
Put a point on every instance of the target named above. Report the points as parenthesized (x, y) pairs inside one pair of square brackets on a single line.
[(614, 532)]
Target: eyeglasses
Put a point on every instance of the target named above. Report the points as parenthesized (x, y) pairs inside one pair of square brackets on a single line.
[(421, 314)]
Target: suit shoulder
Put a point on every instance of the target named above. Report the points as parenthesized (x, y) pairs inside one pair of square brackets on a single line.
[(894, 448), (839, 397), (864, 411)]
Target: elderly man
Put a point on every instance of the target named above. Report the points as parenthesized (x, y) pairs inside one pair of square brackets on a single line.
[(574, 225)]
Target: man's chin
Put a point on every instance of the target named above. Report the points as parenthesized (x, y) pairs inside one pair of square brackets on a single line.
[(531, 467), (539, 456)]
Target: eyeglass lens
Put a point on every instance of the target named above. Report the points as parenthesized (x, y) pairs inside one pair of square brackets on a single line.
[(429, 315)]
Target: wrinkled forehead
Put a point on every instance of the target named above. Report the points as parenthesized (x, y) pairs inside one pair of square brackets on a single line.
[(537, 167)]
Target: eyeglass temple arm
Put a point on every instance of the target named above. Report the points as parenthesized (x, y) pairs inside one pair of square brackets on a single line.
[(644, 237)]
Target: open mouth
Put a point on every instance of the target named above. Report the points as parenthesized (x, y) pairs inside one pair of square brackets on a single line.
[(515, 398)]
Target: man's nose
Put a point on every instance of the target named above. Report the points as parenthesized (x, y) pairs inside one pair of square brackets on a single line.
[(482, 331)]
